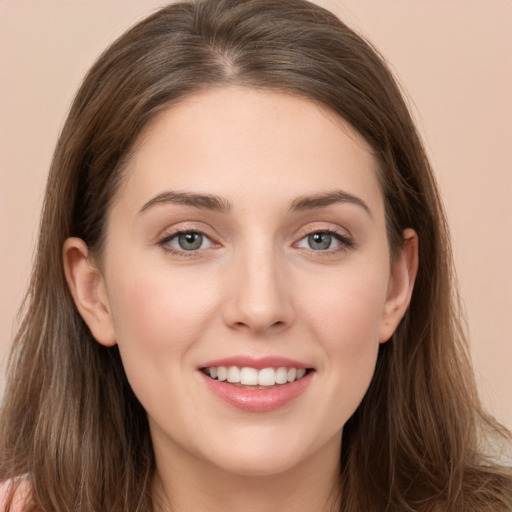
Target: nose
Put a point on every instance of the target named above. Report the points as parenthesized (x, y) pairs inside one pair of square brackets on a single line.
[(258, 295)]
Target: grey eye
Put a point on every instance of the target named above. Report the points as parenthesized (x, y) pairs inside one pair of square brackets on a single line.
[(185, 243), (319, 241), (190, 241)]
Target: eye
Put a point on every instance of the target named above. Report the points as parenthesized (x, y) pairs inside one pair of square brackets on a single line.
[(325, 241), (188, 241)]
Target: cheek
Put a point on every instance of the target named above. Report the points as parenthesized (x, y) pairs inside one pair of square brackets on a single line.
[(346, 312), (158, 314), (345, 319), (158, 317)]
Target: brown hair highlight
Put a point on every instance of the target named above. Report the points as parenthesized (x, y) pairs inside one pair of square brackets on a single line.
[(69, 420)]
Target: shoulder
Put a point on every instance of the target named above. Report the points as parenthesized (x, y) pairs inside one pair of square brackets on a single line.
[(20, 487)]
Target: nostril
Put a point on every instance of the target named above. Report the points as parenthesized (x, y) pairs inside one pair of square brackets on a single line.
[(279, 324)]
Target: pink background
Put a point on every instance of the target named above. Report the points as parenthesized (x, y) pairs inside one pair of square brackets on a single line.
[(453, 57)]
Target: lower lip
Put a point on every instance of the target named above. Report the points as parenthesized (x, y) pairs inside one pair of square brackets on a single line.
[(258, 400)]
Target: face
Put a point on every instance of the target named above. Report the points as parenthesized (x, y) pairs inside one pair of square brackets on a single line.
[(247, 280)]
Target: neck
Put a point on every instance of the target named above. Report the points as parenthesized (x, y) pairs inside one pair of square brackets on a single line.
[(194, 484)]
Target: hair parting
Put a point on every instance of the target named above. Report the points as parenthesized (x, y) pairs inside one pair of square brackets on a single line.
[(70, 423)]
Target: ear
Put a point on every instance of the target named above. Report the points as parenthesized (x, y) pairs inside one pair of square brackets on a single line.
[(88, 289), (401, 284)]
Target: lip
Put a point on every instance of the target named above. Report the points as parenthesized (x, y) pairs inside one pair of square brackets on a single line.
[(256, 362), (257, 400)]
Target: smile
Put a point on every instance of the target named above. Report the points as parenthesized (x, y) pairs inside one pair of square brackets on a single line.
[(257, 384), (261, 379)]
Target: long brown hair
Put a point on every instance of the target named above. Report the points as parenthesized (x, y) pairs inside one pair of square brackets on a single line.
[(69, 420)]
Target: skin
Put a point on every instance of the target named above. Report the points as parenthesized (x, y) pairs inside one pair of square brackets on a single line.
[(255, 287)]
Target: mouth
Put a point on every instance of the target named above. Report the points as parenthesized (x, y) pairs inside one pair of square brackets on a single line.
[(247, 377), (257, 384)]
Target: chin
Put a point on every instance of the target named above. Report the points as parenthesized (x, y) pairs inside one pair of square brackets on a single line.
[(262, 455), (257, 465)]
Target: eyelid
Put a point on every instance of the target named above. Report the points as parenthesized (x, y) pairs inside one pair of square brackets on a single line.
[(316, 227), (172, 233), (176, 234), (343, 236)]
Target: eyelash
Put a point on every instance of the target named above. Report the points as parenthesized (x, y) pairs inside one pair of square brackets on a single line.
[(164, 243), (345, 241)]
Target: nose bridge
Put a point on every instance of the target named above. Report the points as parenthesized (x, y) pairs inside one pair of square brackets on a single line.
[(258, 299)]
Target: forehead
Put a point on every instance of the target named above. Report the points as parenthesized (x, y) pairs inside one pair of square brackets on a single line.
[(240, 142)]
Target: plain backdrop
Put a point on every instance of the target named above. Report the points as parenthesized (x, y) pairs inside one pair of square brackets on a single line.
[(453, 59)]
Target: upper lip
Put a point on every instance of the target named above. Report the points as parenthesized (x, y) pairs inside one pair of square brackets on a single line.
[(256, 362)]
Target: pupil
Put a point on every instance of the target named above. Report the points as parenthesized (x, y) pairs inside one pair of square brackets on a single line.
[(190, 241), (319, 241)]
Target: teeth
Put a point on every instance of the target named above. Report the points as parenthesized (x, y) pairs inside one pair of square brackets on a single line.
[(282, 376), (267, 377), (252, 377), (233, 374), (291, 375), (249, 376)]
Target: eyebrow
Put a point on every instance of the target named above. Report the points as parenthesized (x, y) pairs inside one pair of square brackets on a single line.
[(202, 201), (219, 204), (326, 199)]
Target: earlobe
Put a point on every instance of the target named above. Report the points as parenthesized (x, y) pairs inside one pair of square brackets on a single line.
[(401, 284), (87, 286)]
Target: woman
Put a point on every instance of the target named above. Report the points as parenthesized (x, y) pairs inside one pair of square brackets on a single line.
[(243, 292)]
